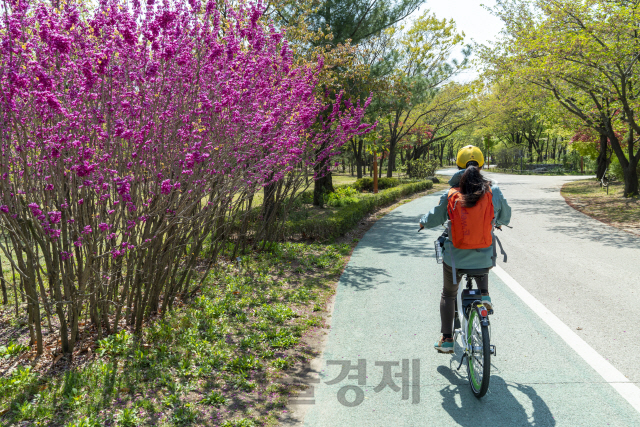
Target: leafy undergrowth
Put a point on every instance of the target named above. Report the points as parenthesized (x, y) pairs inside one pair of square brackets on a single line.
[(214, 361), (589, 198)]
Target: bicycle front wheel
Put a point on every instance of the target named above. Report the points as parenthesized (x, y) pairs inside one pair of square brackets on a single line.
[(479, 360)]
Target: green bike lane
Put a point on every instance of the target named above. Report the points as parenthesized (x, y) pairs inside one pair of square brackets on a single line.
[(387, 310)]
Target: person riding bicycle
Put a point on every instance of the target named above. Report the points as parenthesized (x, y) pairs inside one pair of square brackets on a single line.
[(469, 188)]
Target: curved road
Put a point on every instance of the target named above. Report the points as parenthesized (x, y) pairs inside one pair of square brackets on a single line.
[(386, 319)]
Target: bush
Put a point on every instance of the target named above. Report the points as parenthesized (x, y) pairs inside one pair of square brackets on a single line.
[(366, 184), (348, 217), (421, 168), (343, 196)]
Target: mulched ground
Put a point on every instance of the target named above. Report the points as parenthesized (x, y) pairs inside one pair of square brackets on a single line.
[(612, 209)]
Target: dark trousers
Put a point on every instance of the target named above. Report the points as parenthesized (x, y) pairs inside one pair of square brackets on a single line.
[(449, 295)]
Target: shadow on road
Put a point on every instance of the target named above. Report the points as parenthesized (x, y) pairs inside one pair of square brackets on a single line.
[(363, 278), (499, 407), (571, 223), (399, 236)]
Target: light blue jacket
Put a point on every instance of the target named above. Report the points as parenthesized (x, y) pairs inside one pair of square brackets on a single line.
[(468, 258)]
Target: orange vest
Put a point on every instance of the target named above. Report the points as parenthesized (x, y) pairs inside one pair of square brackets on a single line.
[(470, 227)]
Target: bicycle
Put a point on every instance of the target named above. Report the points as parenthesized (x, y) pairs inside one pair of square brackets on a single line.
[(472, 324), (605, 181)]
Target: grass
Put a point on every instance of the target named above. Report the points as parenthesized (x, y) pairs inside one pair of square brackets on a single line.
[(342, 179), (589, 198), (235, 341)]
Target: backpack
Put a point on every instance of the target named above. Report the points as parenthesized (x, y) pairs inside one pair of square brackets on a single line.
[(471, 228)]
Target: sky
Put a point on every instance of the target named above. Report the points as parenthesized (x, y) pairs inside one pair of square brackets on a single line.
[(471, 18)]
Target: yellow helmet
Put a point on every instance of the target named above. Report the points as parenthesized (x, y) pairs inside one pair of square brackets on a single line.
[(468, 154)]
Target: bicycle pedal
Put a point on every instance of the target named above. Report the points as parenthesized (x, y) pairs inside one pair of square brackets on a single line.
[(492, 349)]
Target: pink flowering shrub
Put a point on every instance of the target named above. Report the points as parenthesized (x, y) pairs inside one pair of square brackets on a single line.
[(130, 134)]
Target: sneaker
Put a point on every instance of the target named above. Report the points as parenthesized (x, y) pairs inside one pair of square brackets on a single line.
[(444, 346), (486, 300)]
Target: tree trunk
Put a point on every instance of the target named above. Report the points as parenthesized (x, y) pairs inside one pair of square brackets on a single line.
[(546, 153), (322, 186), (375, 173), (602, 163), (5, 299), (390, 162), (357, 151), (629, 166), (269, 203), (631, 179)]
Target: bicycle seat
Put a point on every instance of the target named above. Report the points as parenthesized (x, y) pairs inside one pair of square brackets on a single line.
[(473, 271)]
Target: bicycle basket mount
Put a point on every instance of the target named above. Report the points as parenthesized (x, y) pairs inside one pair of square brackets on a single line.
[(439, 246)]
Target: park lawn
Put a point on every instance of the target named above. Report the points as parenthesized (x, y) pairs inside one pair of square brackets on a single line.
[(342, 179), (589, 198)]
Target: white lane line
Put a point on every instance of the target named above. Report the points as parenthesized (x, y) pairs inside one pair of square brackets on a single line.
[(611, 375)]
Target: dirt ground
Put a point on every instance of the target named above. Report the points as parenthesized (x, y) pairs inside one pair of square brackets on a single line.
[(589, 198)]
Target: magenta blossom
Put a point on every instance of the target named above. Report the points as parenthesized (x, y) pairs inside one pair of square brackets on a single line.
[(169, 117), (166, 186), (55, 217)]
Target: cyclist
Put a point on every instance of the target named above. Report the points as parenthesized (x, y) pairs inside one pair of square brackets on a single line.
[(473, 187)]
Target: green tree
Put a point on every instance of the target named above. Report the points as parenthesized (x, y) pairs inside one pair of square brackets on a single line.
[(357, 20), (585, 53), (521, 115), (339, 26), (454, 108), (418, 65)]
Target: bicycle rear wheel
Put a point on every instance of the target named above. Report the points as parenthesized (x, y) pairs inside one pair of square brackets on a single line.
[(479, 360)]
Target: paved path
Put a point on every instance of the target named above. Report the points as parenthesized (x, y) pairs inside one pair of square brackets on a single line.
[(386, 310)]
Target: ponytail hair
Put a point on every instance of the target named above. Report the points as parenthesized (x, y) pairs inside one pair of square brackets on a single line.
[(473, 186)]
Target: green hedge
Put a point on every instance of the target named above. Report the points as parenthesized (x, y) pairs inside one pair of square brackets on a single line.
[(347, 217), (366, 184)]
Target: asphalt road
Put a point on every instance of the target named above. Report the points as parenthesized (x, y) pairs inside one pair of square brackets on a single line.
[(386, 310)]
